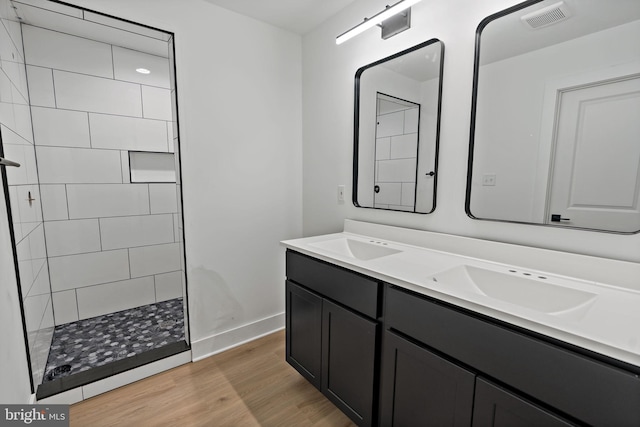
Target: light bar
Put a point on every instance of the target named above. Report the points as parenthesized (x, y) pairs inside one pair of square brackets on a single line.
[(375, 20)]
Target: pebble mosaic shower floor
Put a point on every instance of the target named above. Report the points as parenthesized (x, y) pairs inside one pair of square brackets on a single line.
[(89, 343)]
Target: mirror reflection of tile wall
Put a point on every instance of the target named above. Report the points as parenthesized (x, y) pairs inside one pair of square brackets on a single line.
[(396, 153)]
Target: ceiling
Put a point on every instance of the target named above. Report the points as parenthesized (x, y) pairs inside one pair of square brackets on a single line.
[(298, 16)]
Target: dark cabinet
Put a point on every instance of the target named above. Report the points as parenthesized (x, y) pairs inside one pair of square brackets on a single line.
[(332, 333), (550, 383), (304, 332), (419, 388), (496, 407), (348, 355)]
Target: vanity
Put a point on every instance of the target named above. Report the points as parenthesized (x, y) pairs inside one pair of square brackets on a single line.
[(401, 327), (399, 332)]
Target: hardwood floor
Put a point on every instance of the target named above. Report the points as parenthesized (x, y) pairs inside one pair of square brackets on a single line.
[(250, 385)]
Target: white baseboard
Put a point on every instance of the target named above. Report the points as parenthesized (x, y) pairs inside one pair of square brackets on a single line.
[(226, 340)]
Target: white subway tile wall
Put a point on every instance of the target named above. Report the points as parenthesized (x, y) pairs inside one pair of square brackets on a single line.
[(163, 198), (60, 128), (41, 86), (26, 212), (54, 202), (156, 103), (99, 95), (41, 282), (112, 245), (60, 165), (168, 285), (22, 117), (134, 231), (170, 136), (66, 306), (76, 271), (127, 133), (106, 200), (154, 259), (72, 237), (97, 300)]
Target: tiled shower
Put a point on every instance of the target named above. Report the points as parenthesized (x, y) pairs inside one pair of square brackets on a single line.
[(97, 217), (112, 244)]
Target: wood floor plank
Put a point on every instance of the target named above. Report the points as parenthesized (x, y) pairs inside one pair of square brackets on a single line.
[(250, 385)]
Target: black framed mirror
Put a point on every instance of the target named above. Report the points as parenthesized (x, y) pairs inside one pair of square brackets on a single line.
[(396, 130), (555, 126)]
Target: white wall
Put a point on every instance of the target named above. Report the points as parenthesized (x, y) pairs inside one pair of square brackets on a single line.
[(328, 79), (239, 94), (112, 243), (24, 194)]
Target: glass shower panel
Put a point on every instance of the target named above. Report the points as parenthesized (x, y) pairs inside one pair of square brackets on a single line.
[(23, 192)]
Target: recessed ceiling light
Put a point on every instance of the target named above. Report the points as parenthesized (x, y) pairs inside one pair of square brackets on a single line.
[(143, 71)]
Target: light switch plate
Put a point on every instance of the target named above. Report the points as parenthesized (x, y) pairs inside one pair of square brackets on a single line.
[(341, 193)]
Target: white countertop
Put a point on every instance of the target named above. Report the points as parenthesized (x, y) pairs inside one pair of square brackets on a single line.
[(608, 324)]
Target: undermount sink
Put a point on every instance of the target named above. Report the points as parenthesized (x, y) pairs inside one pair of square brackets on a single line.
[(356, 249), (523, 289)]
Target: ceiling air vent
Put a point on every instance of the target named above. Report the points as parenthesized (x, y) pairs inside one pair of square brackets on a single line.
[(546, 16)]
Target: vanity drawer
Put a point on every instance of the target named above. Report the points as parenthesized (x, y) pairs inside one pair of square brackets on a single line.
[(357, 292), (584, 388)]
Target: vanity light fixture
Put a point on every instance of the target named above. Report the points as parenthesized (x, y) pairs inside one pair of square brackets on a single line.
[(393, 20), (143, 71)]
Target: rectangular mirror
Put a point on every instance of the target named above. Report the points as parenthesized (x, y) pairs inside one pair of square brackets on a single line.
[(555, 128), (396, 127)]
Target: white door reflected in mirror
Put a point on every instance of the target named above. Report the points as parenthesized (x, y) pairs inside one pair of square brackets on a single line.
[(595, 182)]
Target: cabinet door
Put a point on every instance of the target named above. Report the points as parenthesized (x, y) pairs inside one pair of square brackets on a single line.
[(420, 388), (349, 361), (496, 407), (303, 332)]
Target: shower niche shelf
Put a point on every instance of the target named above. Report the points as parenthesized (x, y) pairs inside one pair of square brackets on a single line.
[(145, 166)]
